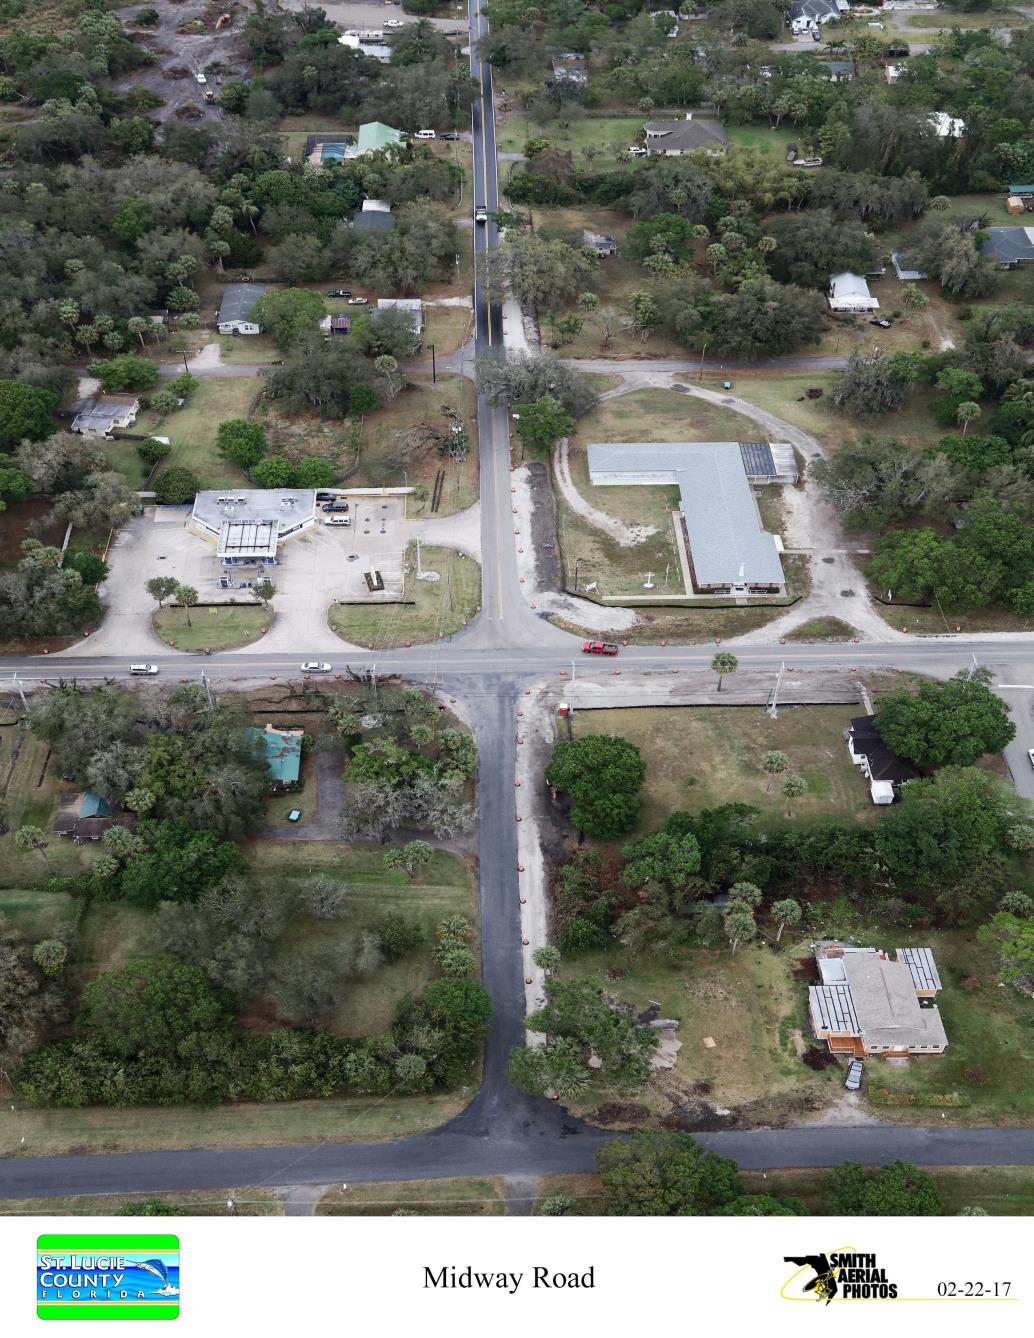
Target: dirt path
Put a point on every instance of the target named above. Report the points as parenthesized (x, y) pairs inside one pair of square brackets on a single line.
[(626, 535)]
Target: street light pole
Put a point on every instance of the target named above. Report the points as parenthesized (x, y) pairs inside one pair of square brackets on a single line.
[(434, 370)]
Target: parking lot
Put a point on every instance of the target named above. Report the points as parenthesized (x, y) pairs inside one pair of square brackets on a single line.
[(319, 567)]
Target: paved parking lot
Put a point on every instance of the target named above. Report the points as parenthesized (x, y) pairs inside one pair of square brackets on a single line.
[(317, 568)]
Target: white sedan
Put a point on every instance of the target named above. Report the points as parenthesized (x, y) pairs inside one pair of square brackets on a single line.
[(316, 667), (200, 78), (394, 23)]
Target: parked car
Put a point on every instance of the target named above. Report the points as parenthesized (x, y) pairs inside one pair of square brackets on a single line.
[(143, 668), (881, 321), (338, 504), (200, 78), (337, 520), (480, 213), (358, 301), (854, 1075), (599, 648), (816, 35), (450, 134), (324, 496), (339, 292), (394, 23), (637, 151), (426, 134), (1030, 754), (316, 667)]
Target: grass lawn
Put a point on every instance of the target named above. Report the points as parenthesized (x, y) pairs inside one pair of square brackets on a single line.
[(278, 806), (700, 757), (584, 1191), (191, 430), (823, 629), (441, 607), (747, 1004), (444, 888), (785, 396), (1004, 1191), (447, 328), (50, 1133), (247, 349), (423, 1198), (768, 138), (608, 135), (213, 627), (935, 622), (194, 1202), (37, 914)]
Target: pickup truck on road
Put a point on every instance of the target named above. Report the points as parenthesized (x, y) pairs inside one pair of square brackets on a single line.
[(599, 648), (480, 213)]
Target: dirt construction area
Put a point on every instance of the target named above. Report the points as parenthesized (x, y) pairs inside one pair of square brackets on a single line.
[(185, 42)]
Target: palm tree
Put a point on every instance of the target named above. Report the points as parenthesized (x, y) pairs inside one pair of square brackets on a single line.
[(965, 414), (739, 923), (793, 788), (137, 325), (787, 912), (188, 597), (33, 838), (774, 762), (724, 662)]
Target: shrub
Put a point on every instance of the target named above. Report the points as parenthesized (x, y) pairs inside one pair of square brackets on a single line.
[(176, 486)]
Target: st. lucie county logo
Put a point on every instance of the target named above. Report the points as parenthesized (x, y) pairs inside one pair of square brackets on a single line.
[(107, 1277)]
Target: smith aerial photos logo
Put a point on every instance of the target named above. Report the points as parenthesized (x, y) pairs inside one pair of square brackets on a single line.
[(107, 1277), (842, 1275)]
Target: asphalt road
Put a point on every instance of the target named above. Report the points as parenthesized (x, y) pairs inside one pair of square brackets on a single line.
[(489, 665)]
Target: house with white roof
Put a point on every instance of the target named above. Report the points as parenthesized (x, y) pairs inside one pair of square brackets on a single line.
[(850, 292)]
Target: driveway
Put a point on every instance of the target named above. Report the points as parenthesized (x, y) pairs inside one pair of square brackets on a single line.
[(327, 825)]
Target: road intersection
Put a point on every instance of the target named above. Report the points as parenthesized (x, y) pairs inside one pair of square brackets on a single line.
[(488, 667)]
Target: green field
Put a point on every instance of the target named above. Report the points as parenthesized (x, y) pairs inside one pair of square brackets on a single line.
[(608, 135), (213, 626), (1003, 1191), (195, 1203), (700, 757), (191, 430), (440, 607)]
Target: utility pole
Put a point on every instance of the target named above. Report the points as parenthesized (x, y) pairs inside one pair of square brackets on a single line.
[(773, 706), (702, 352), (208, 689), (419, 570), (434, 369)]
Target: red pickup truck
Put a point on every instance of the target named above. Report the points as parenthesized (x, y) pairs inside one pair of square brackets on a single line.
[(599, 648)]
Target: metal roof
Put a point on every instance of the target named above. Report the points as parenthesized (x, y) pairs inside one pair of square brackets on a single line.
[(248, 538), (238, 300), (833, 1008), (376, 135), (727, 542), (282, 750), (372, 220), (885, 1002), (412, 306), (757, 459), (922, 965)]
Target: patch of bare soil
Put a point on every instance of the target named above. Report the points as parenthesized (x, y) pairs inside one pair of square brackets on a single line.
[(620, 1114)]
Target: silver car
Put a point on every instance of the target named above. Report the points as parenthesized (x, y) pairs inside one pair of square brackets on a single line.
[(854, 1075), (316, 667)]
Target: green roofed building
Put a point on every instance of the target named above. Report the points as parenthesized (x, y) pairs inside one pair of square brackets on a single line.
[(282, 751), (375, 135)]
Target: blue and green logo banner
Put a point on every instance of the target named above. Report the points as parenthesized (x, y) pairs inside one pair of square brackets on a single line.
[(108, 1277)]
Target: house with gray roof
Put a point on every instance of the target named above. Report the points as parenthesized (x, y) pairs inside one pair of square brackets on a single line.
[(235, 308), (412, 306), (248, 525), (868, 1003), (729, 550), (673, 138), (1009, 247), (100, 417)]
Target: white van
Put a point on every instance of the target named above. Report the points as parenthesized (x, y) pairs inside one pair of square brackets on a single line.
[(337, 520), (425, 134)]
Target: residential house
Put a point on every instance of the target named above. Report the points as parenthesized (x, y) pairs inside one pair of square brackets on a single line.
[(871, 1004), (235, 308), (1009, 247), (570, 68), (87, 816), (673, 138), (839, 70), (599, 242), (728, 549), (375, 216), (807, 12), (884, 770), (281, 750), (249, 525), (902, 270), (850, 292), (947, 127), (102, 415), (375, 137), (371, 47), (412, 306)]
